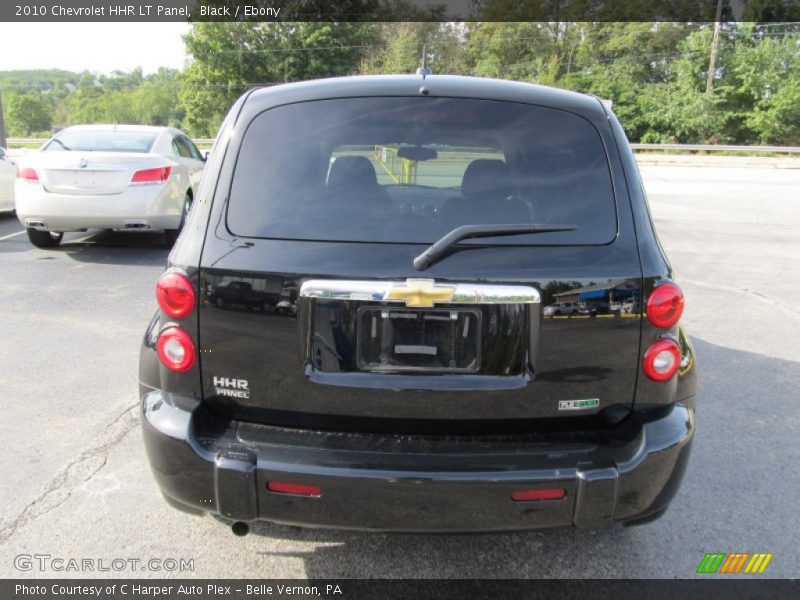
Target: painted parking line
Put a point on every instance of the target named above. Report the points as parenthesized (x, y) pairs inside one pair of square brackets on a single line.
[(83, 239), (11, 235)]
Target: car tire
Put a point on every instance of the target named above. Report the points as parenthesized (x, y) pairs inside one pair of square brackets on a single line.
[(171, 235), (43, 239)]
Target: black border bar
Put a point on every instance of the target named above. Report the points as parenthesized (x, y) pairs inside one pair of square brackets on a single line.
[(410, 589), (396, 10)]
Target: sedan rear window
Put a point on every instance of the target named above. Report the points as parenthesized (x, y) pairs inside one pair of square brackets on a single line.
[(409, 170), (102, 141)]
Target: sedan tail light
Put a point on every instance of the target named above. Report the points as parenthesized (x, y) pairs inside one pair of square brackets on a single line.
[(27, 174), (151, 176), (176, 349), (661, 360), (665, 305), (175, 294)]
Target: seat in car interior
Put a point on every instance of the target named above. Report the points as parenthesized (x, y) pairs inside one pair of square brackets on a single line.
[(353, 179), (485, 190)]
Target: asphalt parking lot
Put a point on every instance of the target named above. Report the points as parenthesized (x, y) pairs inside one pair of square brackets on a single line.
[(76, 483)]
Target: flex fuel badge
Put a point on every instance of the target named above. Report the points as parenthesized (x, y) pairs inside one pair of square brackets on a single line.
[(586, 404)]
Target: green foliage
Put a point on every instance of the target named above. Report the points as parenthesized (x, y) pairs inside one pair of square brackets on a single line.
[(28, 113), (655, 73), (401, 45), (228, 58), (765, 89), (36, 80), (40, 101)]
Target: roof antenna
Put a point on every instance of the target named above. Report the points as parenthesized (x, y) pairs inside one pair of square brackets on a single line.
[(424, 69)]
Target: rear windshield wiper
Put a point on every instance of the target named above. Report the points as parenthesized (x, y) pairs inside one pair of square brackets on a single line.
[(443, 247)]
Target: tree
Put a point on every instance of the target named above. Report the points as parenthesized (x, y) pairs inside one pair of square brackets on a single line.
[(765, 95), (228, 58), (28, 114), (399, 49)]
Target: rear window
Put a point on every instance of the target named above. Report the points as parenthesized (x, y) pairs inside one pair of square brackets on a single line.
[(102, 141), (409, 170)]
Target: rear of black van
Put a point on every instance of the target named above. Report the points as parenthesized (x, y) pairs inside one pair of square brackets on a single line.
[(387, 362)]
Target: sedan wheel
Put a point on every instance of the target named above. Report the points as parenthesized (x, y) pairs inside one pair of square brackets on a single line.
[(43, 239), (171, 235)]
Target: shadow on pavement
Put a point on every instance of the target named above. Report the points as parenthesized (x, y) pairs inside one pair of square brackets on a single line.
[(114, 247), (737, 495)]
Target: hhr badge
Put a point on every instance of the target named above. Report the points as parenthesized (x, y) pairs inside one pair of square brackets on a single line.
[(233, 388)]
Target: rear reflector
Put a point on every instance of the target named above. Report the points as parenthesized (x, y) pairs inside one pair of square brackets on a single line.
[(661, 360), (151, 176), (176, 349), (27, 174), (175, 294), (542, 494), (665, 305), (295, 489)]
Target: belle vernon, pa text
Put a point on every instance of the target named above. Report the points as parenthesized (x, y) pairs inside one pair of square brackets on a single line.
[(171, 591)]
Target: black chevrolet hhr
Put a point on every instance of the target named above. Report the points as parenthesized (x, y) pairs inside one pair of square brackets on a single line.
[(398, 372)]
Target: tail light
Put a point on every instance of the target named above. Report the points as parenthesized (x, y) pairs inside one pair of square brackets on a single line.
[(151, 176), (665, 305), (295, 489), (661, 360), (175, 294), (27, 174), (176, 349)]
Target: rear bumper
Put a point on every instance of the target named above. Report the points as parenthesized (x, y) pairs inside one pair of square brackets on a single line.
[(157, 206), (203, 463)]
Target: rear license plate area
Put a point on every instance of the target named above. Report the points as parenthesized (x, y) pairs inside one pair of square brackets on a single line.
[(418, 340)]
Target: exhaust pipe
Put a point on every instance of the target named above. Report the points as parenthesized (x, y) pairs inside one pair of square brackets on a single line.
[(240, 528), (135, 225), (36, 224)]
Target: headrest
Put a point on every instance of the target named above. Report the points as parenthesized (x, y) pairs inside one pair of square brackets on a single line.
[(353, 173), (485, 178)]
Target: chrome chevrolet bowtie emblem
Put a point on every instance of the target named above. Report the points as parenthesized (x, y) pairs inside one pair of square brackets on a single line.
[(418, 293), (83, 163), (422, 293)]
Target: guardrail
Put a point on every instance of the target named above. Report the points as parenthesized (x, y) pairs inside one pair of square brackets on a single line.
[(39, 141), (208, 142), (717, 148)]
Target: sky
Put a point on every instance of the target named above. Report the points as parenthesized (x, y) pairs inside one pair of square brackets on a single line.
[(96, 47)]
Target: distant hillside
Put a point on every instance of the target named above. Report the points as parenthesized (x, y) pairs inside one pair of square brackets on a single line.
[(37, 103), (29, 80)]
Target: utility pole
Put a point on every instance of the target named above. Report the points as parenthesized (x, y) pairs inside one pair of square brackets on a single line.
[(2, 125), (712, 64)]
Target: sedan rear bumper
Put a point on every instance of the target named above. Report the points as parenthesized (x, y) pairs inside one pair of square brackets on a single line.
[(369, 482), (155, 207)]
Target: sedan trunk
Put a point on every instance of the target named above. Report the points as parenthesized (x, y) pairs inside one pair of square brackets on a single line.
[(92, 173)]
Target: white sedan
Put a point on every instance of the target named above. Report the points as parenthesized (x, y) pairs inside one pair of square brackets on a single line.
[(122, 177), (7, 171)]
